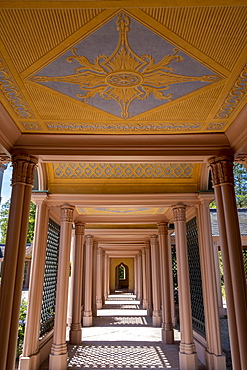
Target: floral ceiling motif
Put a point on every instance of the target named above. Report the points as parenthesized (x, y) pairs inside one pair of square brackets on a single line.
[(125, 76)]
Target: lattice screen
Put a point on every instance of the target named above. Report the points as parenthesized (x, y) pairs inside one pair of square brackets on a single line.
[(50, 278), (245, 261), (198, 319)]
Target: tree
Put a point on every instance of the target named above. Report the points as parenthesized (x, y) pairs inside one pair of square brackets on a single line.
[(4, 216), (240, 180)]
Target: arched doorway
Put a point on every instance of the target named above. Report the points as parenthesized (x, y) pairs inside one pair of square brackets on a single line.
[(122, 276)]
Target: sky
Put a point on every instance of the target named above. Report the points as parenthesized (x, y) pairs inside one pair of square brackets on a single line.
[(6, 188)]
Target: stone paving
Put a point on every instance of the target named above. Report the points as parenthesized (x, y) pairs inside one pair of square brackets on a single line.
[(122, 337)]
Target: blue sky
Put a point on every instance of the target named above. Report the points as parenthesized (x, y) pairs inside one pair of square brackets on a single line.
[(6, 188)]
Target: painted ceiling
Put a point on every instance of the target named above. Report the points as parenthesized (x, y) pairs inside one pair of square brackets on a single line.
[(123, 178), (88, 69)]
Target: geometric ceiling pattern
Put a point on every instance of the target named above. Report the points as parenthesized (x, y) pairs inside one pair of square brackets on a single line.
[(124, 178), (121, 70), (122, 170)]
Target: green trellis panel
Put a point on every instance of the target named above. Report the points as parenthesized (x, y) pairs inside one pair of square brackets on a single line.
[(197, 305), (50, 278)]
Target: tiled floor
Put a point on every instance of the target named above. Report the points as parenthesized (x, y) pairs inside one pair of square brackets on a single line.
[(122, 337)]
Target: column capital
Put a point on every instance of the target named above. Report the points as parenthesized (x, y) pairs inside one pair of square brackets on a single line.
[(154, 239), (66, 213), (99, 250), (79, 228), (89, 239), (179, 213), (23, 168), (222, 169), (143, 251), (163, 228)]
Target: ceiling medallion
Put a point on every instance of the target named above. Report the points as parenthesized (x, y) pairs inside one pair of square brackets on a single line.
[(124, 76)]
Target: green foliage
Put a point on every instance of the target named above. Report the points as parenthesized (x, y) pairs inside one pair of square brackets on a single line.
[(4, 216), (240, 180), (21, 328), (121, 272)]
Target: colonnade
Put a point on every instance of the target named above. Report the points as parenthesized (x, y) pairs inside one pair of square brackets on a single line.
[(152, 272)]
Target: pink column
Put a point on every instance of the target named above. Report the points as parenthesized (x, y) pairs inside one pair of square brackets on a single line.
[(58, 356), (149, 280), (155, 267), (99, 276), (144, 279), (215, 359), (15, 250), (87, 316), (30, 358), (187, 351), (167, 327), (94, 278), (174, 318), (136, 277), (106, 272), (139, 264), (77, 266), (231, 248)]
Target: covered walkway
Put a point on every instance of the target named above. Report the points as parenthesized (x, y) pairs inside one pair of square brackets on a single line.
[(122, 337)]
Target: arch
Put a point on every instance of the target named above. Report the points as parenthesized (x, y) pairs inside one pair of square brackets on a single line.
[(122, 276)]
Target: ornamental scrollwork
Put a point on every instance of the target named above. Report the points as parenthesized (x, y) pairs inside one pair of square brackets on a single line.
[(124, 76), (124, 127), (12, 93), (235, 96)]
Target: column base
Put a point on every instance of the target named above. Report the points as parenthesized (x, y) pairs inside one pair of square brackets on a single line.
[(144, 304), (99, 304), (216, 362), (188, 362), (58, 362), (156, 319), (75, 336), (167, 336), (29, 363), (149, 311), (174, 321), (87, 320)]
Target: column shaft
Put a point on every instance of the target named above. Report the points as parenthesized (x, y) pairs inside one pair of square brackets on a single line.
[(99, 279), (15, 250), (231, 248), (30, 356), (87, 317), (139, 263), (77, 267), (167, 327), (155, 280), (215, 358), (144, 278), (58, 356), (149, 280), (187, 353)]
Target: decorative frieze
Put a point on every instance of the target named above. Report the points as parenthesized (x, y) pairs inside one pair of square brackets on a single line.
[(163, 228), (67, 211), (222, 170), (23, 168), (179, 213)]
